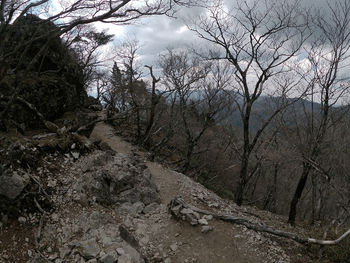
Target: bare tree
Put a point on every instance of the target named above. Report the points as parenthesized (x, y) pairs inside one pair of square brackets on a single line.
[(198, 91), (101, 83), (86, 43), (258, 39), (155, 99), (327, 56)]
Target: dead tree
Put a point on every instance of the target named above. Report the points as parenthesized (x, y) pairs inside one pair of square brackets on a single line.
[(327, 55), (155, 99), (198, 91), (258, 39)]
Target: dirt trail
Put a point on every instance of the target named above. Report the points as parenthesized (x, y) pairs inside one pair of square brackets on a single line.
[(104, 132), (181, 242)]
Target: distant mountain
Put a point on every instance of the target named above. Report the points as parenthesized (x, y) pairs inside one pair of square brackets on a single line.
[(265, 106)]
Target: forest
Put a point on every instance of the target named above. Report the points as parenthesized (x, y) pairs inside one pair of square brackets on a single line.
[(259, 114)]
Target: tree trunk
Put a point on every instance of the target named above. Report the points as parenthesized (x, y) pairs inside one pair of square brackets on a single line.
[(242, 181), (270, 201), (245, 156), (298, 192), (154, 102), (189, 152)]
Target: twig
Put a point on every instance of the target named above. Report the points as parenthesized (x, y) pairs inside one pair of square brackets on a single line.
[(39, 184), (39, 207), (38, 233)]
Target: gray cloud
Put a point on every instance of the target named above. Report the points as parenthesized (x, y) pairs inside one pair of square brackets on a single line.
[(157, 33)]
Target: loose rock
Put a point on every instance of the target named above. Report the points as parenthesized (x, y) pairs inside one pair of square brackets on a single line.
[(89, 249), (206, 229), (11, 186)]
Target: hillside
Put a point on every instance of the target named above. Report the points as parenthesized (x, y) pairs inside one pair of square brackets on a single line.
[(111, 205)]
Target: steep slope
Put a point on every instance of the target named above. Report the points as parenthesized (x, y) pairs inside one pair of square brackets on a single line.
[(111, 205), (226, 243)]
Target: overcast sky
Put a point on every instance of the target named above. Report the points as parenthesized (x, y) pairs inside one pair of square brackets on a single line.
[(157, 33)]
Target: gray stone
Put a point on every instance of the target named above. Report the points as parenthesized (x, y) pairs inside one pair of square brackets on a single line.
[(53, 256), (124, 259), (122, 179), (106, 240), (52, 183), (120, 251), (206, 229), (13, 185), (54, 217), (64, 251), (127, 208), (108, 259), (203, 221), (22, 220), (133, 209), (187, 211), (144, 241), (190, 216), (167, 260), (150, 208), (208, 217), (75, 155), (89, 249), (138, 206), (174, 247), (62, 130), (81, 199)]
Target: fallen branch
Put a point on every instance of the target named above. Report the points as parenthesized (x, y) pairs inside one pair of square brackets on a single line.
[(177, 203), (38, 206), (49, 125), (41, 188)]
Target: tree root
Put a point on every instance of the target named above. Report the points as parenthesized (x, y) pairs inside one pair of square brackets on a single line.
[(177, 203)]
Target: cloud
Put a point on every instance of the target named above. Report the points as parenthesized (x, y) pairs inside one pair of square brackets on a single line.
[(157, 33)]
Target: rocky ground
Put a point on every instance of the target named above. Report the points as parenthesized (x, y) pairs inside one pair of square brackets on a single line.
[(110, 204)]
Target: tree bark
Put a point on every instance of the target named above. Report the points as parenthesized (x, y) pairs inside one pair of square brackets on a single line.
[(242, 181), (298, 192)]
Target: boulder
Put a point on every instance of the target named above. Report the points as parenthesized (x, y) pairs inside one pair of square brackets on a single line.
[(54, 82), (114, 178), (11, 186)]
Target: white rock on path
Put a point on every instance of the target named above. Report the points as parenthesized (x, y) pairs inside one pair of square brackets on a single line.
[(203, 221), (174, 247), (22, 220), (206, 229)]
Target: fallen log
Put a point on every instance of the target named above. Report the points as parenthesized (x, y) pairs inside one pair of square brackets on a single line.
[(177, 203)]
